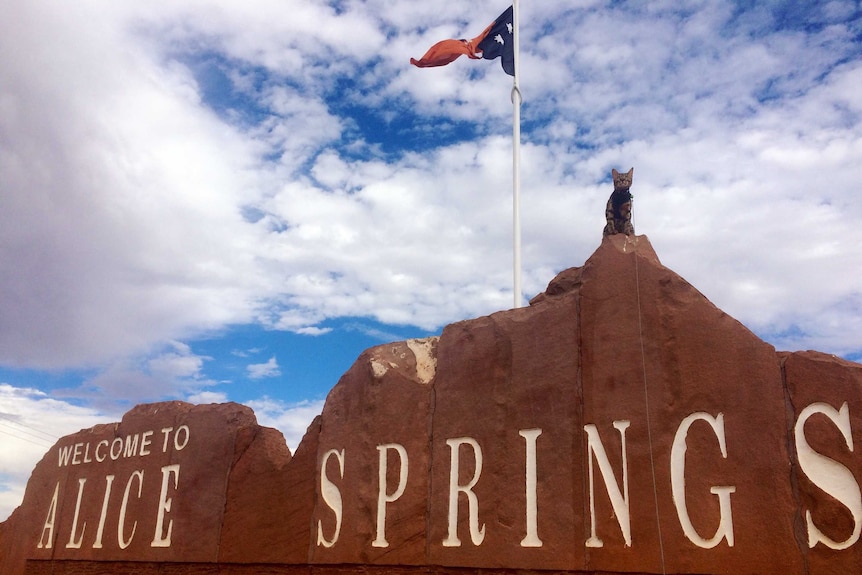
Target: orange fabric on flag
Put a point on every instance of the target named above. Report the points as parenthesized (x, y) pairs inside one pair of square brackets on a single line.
[(447, 51)]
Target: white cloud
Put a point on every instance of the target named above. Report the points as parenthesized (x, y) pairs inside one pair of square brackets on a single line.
[(30, 423), (291, 419), (206, 397), (142, 207), (179, 362), (172, 373), (261, 370), (120, 195)]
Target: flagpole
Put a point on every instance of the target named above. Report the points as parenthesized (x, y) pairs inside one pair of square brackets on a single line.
[(516, 162)]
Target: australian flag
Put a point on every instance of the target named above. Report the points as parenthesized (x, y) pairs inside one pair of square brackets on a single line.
[(497, 40), (500, 42)]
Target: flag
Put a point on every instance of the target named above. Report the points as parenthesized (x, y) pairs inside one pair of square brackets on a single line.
[(500, 42), (495, 41)]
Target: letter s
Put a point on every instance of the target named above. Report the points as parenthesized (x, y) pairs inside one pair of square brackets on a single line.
[(828, 474), (332, 496)]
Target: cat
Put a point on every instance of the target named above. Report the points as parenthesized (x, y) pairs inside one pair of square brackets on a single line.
[(618, 212)]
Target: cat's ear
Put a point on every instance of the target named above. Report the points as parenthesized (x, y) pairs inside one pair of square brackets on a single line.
[(615, 173), (631, 173)]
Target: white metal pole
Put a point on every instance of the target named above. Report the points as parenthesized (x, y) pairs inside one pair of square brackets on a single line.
[(516, 162)]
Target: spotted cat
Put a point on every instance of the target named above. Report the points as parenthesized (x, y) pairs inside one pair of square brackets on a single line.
[(618, 212)]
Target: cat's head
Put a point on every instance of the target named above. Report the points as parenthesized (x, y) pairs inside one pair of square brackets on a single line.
[(622, 181)]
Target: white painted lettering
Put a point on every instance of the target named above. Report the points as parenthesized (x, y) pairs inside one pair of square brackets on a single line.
[(619, 500), (76, 454), (65, 453), (87, 458), (532, 512), (477, 535), (332, 496), (166, 431), (677, 474), (160, 539), (109, 480), (100, 457), (48, 526), (72, 544), (382, 496), (181, 437), (122, 522), (131, 445), (116, 448), (829, 475), (145, 442)]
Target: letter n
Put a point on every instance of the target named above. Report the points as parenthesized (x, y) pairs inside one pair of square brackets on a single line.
[(619, 500)]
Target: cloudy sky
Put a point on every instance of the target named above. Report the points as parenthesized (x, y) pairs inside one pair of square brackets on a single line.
[(213, 200)]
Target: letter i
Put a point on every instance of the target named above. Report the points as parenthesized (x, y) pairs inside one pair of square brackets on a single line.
[(109, 480), (532, 511)]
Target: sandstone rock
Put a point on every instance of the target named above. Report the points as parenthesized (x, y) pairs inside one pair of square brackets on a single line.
[(150, 488), (388, 390), (619, 424), (824, 402)]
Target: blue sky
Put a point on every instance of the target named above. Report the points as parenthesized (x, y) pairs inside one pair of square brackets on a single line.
[(210, 200)]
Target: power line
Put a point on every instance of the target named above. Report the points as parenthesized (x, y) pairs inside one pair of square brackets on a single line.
[(19, 430), (39, 442)]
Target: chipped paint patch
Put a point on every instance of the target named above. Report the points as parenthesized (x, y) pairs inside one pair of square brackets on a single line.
[(426, 361), (379, 368)]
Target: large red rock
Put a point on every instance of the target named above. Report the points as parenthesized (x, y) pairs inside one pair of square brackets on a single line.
[(824, 396), (389, 390), (619, 424), (157, 487)]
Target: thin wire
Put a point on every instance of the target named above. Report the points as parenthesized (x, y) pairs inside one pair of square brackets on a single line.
[(649, 425), (16, 421), (34, 430), (39, 442)]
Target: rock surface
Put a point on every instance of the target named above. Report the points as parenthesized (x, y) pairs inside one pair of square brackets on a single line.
[(619, 424)]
